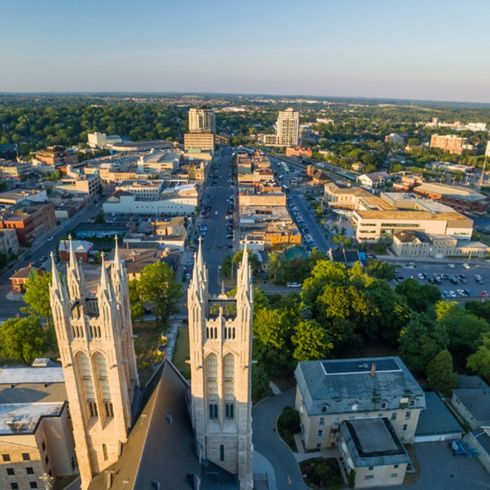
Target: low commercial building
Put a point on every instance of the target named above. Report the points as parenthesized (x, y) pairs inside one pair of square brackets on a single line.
[(299, 152), (82, 184), (159, 161), (416, 244), (102, 140), (13, 170), (133, 146), (329, 392), (173, 200), (112, 173), (372, 450), (30, 220), (10, 198), (343, 197), (460, 198), (142, 189), (82, 249), (391, 212), (473, 404)]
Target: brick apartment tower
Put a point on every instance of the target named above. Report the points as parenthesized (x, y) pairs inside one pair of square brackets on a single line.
[(220, 341), (95, 340)]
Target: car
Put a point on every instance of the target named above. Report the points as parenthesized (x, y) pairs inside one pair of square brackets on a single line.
[(466, 265), (445, 294), (452, 294), (444, 276), (484, 293), (421, 275), (51, 238), (451, 266), (460, 292), (293, 285)]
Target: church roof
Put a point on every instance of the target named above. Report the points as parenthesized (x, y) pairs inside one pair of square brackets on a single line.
[(161, 447)]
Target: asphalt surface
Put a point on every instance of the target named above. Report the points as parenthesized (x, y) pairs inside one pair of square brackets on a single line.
[(267, 441), (429, 269), (215, 243)]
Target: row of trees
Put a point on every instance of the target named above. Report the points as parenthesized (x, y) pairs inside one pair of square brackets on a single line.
[(339, 308)]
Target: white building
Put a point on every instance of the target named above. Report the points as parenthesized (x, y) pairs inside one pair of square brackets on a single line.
[(158, 161), (287, 128), (174, 201), (102, 140)]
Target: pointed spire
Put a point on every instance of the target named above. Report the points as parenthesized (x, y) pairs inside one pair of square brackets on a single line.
[(195, 275), (200, 260), (117, 256), (245, 255), (104, 284), (55, 277), (73, 257)]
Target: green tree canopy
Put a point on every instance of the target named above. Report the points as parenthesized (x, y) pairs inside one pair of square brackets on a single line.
[(418, 296), (440, 373), (310, 341), (136, 305), (158, 287), (37, 295), (380, 270), (420, 342), (479, 362), (23, 339)]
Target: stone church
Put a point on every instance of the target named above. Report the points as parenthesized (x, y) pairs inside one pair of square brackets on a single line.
[(168, 434)]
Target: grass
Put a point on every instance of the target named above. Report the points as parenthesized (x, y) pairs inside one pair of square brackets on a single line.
[(146, 345), (320, 473), (181, 353)]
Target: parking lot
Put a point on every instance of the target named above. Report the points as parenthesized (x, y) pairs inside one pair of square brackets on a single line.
[(440, 470), (453, 279)]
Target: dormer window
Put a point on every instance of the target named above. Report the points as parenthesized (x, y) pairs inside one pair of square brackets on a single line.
[(384, 405), (324, 409)]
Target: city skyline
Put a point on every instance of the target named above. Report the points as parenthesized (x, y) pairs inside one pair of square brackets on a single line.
[(418, 52)]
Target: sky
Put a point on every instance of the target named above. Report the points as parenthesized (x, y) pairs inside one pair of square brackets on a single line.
[(417, 49)]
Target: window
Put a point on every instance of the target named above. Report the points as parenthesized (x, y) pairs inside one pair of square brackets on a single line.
[(324, 409), (369, 477), (14, 486), (30, 470), (213, 410), (92, 408), (384, 405), (408, 414), (404, 428), (104, 452), (6, 457), (393, 416), (33, 484), (26, 456), (320, 433), (371, 468), (229, 410), (222, 452), (43, 445), (322, 421), (10, 472), (396, 466), (109, 410), (46, 459), (394, 475)]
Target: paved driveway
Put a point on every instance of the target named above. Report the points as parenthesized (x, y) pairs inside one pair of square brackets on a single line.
[(440, 470), (270, 445)]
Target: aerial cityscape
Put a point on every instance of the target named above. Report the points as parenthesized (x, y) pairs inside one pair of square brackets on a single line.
[(245, 246)]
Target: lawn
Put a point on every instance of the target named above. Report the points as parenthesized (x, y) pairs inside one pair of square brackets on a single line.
[(181, 353), (146, 344)]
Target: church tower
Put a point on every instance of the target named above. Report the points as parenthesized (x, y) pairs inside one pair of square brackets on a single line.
[(220, 341), (95, 340)]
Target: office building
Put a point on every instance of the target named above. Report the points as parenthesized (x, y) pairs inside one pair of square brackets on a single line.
[(199, 142), (449, 143), (56, 156), (202, 121), (287, 128)]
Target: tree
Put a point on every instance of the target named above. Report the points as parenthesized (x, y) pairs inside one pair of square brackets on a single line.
[(479, 362), (252, 257), (418, 296), (380, 270), (440, 373), (310, 341), (36, 296), (479, 308), (99, 217), (260, 381), (420, 342), (158, 287), (22, 339), (136, 305)]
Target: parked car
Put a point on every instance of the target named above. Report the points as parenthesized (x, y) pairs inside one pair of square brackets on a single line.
[(451, 266), (293, 285), (466, 265)]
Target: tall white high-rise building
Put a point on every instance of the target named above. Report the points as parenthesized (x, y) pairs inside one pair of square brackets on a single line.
[(201, 121), (220, 341), (287, 128)]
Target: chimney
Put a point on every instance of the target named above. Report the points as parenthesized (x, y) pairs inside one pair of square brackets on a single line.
[(373, 369)]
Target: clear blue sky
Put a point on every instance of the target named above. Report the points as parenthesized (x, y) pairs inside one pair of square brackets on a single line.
[(427, 49)]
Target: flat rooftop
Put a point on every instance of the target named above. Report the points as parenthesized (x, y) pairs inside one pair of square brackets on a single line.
[(30, 375), (353, 366), (373, 442), (22, 418)]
